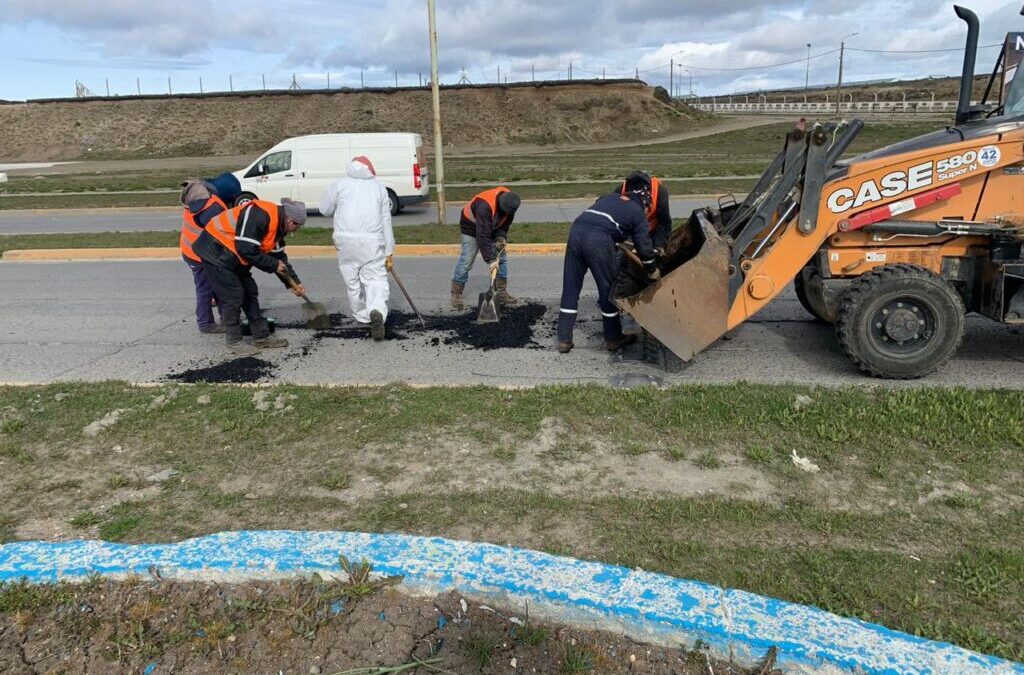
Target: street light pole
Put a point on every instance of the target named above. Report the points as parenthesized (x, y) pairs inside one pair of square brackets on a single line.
[(807, 73), (839, 84), (436, 95)]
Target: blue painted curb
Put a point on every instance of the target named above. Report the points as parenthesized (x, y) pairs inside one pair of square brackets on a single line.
[(643, 605)]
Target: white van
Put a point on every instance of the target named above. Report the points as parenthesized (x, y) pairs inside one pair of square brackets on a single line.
[(302, 167)]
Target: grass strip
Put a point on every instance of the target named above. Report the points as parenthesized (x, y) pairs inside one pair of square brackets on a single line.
[(913, 520)]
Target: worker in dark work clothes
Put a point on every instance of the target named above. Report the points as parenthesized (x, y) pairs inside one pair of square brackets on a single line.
[(659, 217), (247, 236), (592, 246)]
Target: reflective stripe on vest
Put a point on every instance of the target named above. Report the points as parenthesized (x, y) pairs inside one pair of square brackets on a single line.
[(652, 210), (224, 227), (489, 197), (190, 229)]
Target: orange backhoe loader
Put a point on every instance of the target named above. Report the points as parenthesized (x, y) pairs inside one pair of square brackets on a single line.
[(894, 246)]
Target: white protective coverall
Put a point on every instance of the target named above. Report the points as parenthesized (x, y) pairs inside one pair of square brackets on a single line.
[(363, 237)]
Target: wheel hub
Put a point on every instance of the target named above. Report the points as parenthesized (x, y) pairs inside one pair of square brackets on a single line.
[(902, 324)]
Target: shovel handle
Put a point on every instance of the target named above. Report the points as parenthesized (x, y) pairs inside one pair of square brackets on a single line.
[(287, 278), (631, 255)]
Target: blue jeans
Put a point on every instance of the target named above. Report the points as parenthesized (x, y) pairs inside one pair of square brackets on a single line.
[(468, 256)]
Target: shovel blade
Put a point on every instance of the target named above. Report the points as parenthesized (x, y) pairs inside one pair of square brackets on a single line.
[(316, 316), (488, 311)]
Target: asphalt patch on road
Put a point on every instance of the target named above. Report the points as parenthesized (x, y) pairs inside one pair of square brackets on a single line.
[(241, 370), (515, 330)]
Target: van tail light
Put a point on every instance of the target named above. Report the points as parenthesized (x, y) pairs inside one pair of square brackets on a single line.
[(417, 176)]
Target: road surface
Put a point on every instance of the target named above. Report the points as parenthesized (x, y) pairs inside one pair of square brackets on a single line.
[(133, 321), (51, 221)]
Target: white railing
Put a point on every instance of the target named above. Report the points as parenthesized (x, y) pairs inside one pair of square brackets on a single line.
[(908, 107)]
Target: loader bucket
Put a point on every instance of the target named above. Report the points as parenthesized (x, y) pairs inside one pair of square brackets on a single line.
[(687, 309)]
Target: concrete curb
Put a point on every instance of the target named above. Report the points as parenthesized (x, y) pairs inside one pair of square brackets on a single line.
[(168, 253), (643, 605)]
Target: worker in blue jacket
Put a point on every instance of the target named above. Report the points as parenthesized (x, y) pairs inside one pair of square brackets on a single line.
[(592, 243)]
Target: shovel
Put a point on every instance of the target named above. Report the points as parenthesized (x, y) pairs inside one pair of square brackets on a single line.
[(315, 312), (488, 311), (394, 274)]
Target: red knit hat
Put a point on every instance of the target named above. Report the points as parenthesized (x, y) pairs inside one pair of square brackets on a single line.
[(362, 159)]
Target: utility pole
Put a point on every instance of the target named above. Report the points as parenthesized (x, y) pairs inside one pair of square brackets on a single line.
[(169, 85), (671, 75), (807, 72), (570, 71), (200, 84), (499, 73), (108, 87), (691, 82), (231, 83), (839, 84), (138, 87), (264, 81), (421, 78), (533, 73), (436, 95), (396, 77), (328, 79), (361, 85)]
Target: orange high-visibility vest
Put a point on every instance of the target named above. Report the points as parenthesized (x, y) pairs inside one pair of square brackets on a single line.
[(190, 229), (652, 210), (490, 197), (225, 225)]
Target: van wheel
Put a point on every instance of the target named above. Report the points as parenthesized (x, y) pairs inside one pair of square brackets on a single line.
[(245, 198), (393, 198), (900, 322)]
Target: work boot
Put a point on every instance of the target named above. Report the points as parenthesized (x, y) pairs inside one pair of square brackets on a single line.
[(624, 341), (270, 342), (565, 347), (501, 286), (376, 325), (241, 348), (212, 328), (457, 289)]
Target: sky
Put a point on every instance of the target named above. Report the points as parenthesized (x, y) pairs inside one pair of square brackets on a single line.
[(717, 46)]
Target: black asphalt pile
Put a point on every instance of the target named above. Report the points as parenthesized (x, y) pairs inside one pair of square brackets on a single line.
[(516, 330), (245, 369)]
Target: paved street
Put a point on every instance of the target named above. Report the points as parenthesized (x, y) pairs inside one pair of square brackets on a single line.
[(147, 219), (133, 320)]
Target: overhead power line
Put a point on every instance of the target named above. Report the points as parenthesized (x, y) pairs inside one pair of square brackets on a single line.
[(917, 51), (765, 67)]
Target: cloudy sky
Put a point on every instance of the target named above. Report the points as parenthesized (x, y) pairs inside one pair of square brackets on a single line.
[(46, 45)]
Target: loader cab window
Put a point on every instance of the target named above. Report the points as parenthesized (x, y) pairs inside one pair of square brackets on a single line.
[(275, 162), (1013, 78)]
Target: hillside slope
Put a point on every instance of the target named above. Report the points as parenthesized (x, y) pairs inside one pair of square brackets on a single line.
[(589, 112)]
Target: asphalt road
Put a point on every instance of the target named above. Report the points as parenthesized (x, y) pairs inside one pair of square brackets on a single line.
[(149, 219), (133, 321)]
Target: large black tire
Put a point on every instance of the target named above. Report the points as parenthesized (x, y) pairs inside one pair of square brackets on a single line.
[(900, 322), (813, 302), (395, 204)]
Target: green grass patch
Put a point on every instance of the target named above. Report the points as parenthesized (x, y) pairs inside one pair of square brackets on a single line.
[(920, 535)]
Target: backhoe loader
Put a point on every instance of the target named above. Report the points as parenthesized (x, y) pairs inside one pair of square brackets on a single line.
[(894, 246)]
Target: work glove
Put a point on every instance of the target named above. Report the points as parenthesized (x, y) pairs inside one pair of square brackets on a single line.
[(659, 252), (652, 271), (493, 267), (282, 269), (389, 263), (299, 290), (500, 243)]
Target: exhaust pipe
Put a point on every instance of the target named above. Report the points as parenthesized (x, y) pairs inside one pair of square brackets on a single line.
[(963, 105)]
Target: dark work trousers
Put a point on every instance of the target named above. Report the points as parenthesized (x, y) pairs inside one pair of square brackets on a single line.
[(204, 294), (593, 250), (237, 291)]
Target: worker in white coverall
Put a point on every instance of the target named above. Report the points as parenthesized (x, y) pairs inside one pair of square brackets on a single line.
[(364, 239)]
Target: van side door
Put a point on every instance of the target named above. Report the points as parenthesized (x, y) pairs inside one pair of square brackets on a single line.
[(273, 176)]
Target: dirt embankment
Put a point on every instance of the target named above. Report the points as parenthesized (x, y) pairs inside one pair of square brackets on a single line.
[(234, 125)]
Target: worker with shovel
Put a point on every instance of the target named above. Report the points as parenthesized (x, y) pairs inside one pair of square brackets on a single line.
[(364, 239), (592, 246), (485, 221), (247, 236)]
